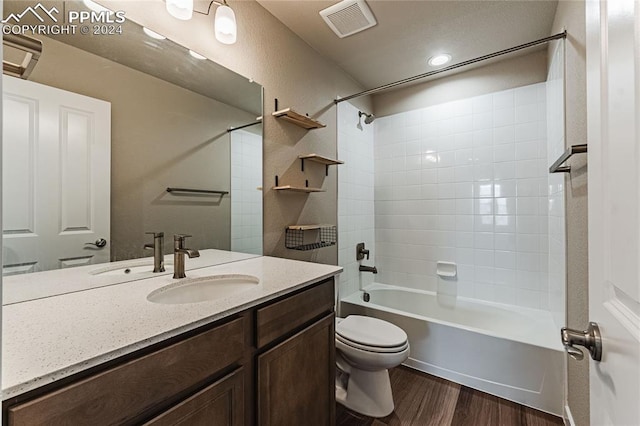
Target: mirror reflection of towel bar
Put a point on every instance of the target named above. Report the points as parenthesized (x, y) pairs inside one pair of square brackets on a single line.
[(197, 191)]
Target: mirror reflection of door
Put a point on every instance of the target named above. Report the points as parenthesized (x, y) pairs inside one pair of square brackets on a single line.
[(56, 177)]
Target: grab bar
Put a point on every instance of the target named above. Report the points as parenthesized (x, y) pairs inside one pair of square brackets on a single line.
[(574, 149), (197, 191)]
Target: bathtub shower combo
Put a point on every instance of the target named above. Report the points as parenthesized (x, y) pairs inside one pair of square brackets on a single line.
[(508, 351), (466, 232)]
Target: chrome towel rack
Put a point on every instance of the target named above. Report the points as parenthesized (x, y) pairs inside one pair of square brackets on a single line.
[(197, 191), (557, 167)]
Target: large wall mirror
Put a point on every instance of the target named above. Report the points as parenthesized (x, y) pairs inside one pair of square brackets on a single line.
[(103, 125)]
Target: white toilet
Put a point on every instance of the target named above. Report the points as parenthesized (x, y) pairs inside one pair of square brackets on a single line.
[(365, 349)]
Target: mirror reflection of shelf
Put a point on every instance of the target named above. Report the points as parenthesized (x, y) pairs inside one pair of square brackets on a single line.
[(298, 119), (319, 159), (310, 237)]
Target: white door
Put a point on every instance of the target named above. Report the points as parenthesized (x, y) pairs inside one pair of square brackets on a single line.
[(56, 166), (613, 102)]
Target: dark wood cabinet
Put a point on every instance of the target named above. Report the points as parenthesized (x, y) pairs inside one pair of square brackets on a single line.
[(130, 389), (296, 379), (273, 364), (220, 404)]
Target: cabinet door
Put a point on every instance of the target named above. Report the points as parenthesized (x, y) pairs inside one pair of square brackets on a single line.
[(296, 379), (218, 404)]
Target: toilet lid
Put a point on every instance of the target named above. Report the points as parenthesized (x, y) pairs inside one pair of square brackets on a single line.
[(372, 332)]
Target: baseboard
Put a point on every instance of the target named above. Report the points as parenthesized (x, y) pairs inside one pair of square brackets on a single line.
[(568, 417)]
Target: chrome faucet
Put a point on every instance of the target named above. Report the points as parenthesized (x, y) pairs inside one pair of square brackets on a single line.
[(363, 268), (158, 250), (178, 255)]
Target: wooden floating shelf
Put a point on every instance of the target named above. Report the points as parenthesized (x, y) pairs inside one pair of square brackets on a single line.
[(298, 119), (320, 159), (307, 227), (297, 188)]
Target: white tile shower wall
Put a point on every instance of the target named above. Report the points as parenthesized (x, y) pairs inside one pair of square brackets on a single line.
[(355, 198), (246, 197), (555, 147), (466, 182)]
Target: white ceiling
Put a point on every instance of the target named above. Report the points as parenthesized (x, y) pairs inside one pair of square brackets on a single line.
[(409, 32)]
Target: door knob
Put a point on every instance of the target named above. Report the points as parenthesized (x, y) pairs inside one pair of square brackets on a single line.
[(589, 339), (101, 242)]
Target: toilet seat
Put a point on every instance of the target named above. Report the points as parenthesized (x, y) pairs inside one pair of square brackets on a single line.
[(372, 334), (376, 349)]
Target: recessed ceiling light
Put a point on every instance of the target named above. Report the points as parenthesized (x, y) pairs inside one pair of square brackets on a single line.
[(196, 55), (437, 60), (153, 34)]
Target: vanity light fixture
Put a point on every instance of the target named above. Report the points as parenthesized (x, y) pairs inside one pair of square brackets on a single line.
[(153, 34), (225, 24), (196, 55), (441, 59), (180, 9)]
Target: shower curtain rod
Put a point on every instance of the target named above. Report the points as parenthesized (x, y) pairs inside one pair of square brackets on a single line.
[(454, 66)]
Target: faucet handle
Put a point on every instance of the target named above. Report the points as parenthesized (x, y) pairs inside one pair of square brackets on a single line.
[(361, 252), (155, 234), (178, 240)]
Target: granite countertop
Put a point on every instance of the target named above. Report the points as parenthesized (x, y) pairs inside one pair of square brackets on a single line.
[(50, 338)]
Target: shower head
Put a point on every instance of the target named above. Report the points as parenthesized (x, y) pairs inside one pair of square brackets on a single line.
[(368, 118)]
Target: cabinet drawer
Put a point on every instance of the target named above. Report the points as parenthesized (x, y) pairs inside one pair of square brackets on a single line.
[(278, 319), (120, 393), (221, 403)]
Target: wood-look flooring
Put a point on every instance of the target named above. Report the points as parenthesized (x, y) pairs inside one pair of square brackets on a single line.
[(424, 400)]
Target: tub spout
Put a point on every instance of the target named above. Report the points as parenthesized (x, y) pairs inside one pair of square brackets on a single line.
[(363, 268)]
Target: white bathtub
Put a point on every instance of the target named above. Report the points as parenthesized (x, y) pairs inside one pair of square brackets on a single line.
[(508, 351)]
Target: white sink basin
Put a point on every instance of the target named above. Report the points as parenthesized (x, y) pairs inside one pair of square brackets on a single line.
[(132, 269), (194, 290)]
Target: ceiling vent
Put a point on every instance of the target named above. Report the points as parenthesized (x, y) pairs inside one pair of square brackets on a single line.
[(348, 17)]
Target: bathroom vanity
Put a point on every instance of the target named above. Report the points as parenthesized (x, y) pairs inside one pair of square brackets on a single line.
[(260, 356)]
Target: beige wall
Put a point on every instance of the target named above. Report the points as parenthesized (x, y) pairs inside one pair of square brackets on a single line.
[(162, 135), (299, 77), (570, 15), (506, 74)]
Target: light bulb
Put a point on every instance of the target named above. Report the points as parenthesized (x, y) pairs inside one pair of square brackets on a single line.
[(180, 9), (225, 25)]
